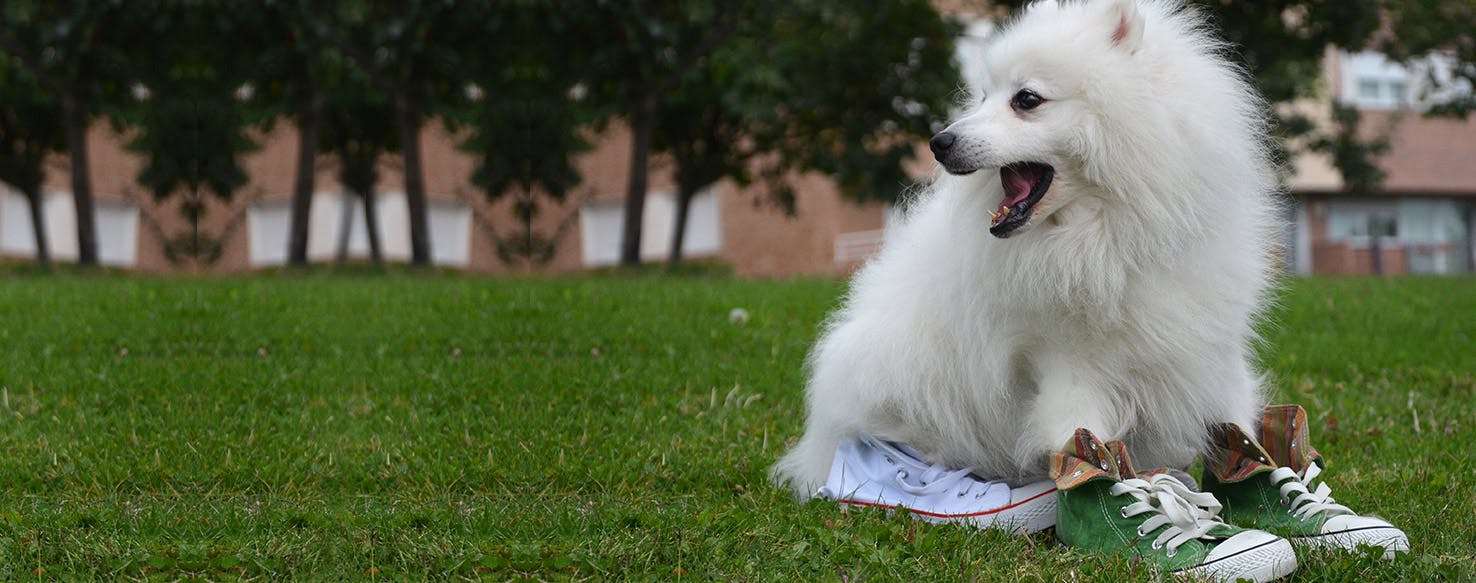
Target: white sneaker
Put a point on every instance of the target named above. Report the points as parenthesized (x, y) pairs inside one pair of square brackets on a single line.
[(871, 472)]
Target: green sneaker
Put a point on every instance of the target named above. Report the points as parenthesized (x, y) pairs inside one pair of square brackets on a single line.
[(1278, 487), (1104, 505)]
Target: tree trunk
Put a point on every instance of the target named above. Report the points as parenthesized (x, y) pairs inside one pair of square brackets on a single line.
[(345, 229), (679, 225), (303, 185), (38, 226), (371, 228), (420, 252), (76, 120), (635, 192)]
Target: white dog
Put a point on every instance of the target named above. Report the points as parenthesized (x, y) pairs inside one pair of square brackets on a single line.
[(1094, 257)]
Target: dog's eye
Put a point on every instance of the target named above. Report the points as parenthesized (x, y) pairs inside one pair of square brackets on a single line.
[(1026, 100)]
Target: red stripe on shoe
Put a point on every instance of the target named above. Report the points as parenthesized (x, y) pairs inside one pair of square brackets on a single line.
[(940, 515)]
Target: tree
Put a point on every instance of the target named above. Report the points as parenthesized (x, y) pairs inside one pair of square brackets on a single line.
[(1422, 28), (195, 107), (30, 129), (408, 51), (357, 129), (805, 87), (525, 90), (648, 48), (73, 51), (292, 77)]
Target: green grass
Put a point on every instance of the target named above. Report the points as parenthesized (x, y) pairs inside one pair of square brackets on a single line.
[(401, 427)]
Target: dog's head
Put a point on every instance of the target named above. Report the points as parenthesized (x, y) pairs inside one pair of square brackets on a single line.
[(1040, 104)]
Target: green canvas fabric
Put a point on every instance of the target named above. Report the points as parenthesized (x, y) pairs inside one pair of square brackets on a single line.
[(1237, 471), (1089, 517)]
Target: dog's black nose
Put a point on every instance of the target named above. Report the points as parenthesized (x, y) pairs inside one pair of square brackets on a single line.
[(941, 143)]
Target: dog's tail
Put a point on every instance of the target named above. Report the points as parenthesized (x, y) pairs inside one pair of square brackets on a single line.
[(804, 469)]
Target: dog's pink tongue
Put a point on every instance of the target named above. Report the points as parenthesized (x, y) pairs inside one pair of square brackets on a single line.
[(1017, 181)]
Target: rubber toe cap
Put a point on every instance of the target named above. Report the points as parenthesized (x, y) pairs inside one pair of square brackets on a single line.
[(1350, 531), (1252, 554)]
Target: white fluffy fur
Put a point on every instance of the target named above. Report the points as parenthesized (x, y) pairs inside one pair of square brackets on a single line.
[(1125, 306)]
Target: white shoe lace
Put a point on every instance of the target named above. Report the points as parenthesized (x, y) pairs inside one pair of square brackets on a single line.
[(1303, 502), (937, 479), (1188, 514)]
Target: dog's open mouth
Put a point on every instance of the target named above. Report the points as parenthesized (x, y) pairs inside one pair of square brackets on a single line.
[(1025, 183)]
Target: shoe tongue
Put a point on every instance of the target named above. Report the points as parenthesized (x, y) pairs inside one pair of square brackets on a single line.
[(1284, 435), (1083, 459), (906, 449), (1124, 461), (900, 453), (1234, 455)]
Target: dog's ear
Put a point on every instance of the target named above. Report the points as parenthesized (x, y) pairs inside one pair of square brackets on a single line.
[(1125, 21)]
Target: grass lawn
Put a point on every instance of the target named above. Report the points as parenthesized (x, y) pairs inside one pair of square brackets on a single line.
[(333, 427)]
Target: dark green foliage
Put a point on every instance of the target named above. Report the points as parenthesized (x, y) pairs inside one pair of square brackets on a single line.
[(77, 51), (357, 130), (523, 113), (191, 125), (192, 102), (857, 89), (762, 90), (1443, 27), (30, 129), (412, 52)]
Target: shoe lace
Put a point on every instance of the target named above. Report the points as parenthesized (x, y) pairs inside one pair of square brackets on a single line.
[(1303, 498), (1188, 514), (937, 479)]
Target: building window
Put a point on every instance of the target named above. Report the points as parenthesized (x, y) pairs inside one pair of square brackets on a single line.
[(1383, 225), (1359, 221), (1398, 91), (1372, 81), (1368, 89)]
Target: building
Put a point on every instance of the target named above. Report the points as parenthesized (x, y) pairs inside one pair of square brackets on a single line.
[(1421, 219)]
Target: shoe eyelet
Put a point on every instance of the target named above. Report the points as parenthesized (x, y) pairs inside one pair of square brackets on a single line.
[(1173, 552), (1141, 533), (891, 461), (1123, 512), (901, 474), (1285, 502), (1155, 545)]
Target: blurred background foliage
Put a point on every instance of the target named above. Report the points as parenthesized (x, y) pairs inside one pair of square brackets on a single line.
[(753, 91)]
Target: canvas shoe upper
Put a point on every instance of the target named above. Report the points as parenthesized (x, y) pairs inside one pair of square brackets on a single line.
[(1104, 505), (870, 472), (1275, 484)]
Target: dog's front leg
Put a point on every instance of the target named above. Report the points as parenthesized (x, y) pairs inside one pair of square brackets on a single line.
[(1070, 396)]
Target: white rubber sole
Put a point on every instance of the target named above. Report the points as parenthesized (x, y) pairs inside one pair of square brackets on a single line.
[(1034, 511), (1267, 562), (1391, 539)]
